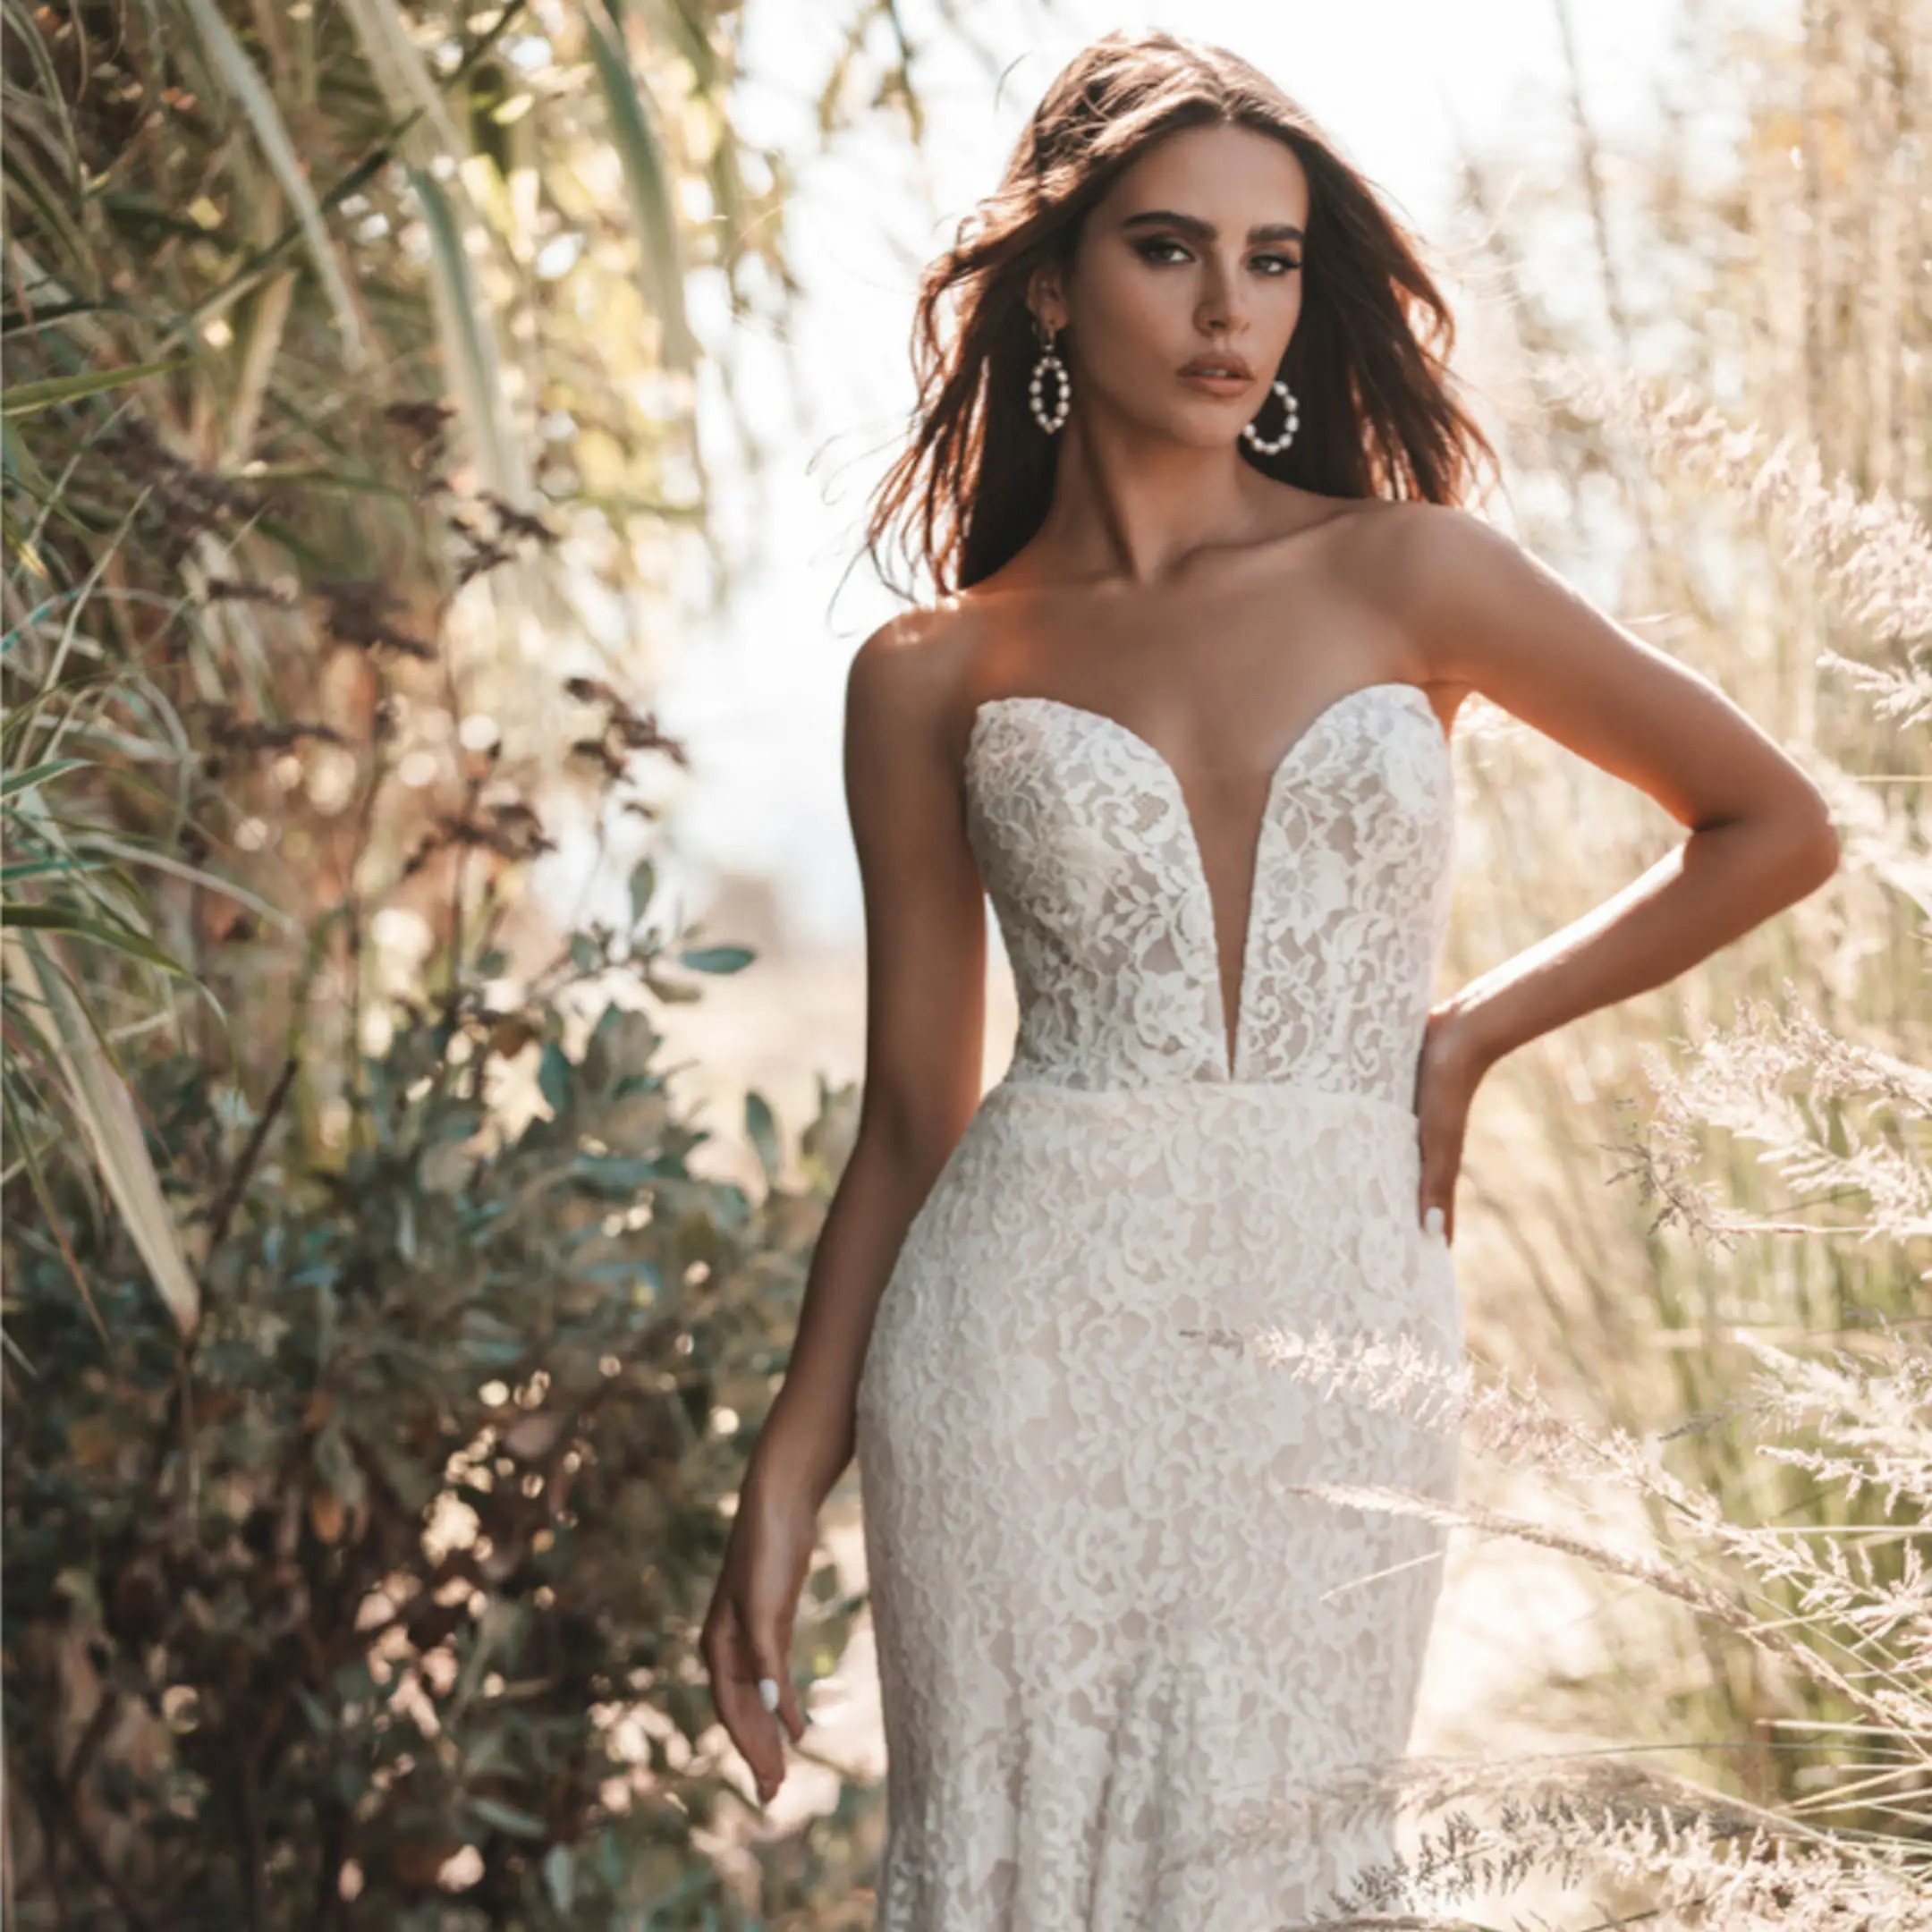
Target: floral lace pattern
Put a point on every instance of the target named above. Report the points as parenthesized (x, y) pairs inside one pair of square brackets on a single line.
[(1089, 852), (1107, 1631)]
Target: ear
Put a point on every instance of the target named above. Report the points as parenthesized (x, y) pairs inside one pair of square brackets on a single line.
[(1044, 298)]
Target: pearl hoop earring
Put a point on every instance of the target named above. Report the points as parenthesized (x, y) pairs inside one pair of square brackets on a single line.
[(1280, 443), (1051, 361)]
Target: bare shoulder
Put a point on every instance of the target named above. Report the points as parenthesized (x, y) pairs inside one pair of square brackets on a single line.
[(1358, 539), (903, 683), (1408, 544), (1428, 567), (1422, 548), (904, 666)]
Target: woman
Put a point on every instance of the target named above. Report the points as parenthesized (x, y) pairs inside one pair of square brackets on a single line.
[(1191, 482)]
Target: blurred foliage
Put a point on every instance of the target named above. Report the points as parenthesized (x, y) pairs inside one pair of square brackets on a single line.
[(329, 330), (365, 1590), (378, 1361), (402, 1561)]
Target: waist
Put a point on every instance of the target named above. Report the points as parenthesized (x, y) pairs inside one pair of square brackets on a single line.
[(1030, 1086)]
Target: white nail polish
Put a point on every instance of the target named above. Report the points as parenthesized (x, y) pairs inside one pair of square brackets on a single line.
[(767, 1690), (1432, 1219)]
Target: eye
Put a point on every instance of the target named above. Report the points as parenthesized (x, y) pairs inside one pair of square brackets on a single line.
[(1282, 264)]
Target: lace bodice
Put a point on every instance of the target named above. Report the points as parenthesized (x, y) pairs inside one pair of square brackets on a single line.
[(1090, 855)]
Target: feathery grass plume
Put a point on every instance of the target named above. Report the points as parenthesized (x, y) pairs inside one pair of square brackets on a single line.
[(1871, 554), (1716, 1864), (1861, 1632)]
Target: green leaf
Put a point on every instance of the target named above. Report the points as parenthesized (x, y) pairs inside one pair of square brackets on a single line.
[(285, 160), (337, 1466), (27, 869), (673, 992), (318, 1713), (469, 349), (56, 919), (415, 1486), (507, 1818), (37, 775), (761, 1126), (23, 399), (716, 959), (643, 884), (613, 1176), (100, 1100), (560, 1876), (633, 131), (552, 1076), (463, 1121)]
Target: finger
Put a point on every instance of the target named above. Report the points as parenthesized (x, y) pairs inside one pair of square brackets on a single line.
[(1438, 1217), (1435, 1196), (734, 1692), (792, 1708), (777, 1694), (780, 1696), (749, 1731)]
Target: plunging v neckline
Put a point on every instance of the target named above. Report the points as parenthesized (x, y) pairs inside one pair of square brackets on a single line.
[(1227, 1035)]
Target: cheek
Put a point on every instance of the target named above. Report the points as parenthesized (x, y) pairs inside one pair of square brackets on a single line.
[(1134, 331), (1135, 379)]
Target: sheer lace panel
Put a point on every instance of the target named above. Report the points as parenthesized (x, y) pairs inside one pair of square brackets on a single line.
[(1091, 859)]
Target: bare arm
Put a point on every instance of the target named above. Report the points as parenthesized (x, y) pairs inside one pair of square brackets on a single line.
[(1491, 616), (925, 1024)]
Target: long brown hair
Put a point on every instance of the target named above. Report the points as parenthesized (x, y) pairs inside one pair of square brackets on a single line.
[(1366, 361)]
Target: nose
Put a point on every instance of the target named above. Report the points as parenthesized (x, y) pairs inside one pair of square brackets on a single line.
[(1222, 304)]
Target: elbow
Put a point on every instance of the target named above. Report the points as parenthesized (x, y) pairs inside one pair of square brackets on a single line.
[(1795, 846), (1815, 849)]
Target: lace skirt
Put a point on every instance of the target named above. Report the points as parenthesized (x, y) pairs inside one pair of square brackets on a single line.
[(1119, 1657)]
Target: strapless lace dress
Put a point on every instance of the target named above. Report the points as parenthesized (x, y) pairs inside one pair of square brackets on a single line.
[(1108, 1634)]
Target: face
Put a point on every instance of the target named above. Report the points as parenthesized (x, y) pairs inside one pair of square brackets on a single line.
[(1194, 253)]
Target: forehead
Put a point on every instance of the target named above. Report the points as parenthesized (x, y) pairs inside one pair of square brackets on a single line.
[(1235, 177)]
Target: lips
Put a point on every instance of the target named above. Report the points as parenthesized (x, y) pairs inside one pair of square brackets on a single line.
[(1229, 367), (1224, 376)]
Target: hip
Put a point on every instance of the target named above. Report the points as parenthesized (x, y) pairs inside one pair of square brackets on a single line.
[(1217, 1213)]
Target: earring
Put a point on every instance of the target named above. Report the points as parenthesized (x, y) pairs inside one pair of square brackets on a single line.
[(1288, 429), (1049, 361)]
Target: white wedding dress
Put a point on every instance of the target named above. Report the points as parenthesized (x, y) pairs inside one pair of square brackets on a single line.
[(1105, 1630)]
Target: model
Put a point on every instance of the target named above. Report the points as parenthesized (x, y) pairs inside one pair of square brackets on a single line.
[(1191, 483)]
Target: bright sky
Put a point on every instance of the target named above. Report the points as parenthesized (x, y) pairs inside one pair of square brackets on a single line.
[(757, 696)]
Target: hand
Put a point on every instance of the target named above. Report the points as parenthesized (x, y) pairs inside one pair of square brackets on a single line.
[(1449, 1068), (748, 1628)]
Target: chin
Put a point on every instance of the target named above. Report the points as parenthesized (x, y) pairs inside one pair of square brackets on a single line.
[(1197, 427), (1206, 436)]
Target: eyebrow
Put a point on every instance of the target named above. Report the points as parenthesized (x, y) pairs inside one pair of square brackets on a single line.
[(1193, 224)]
